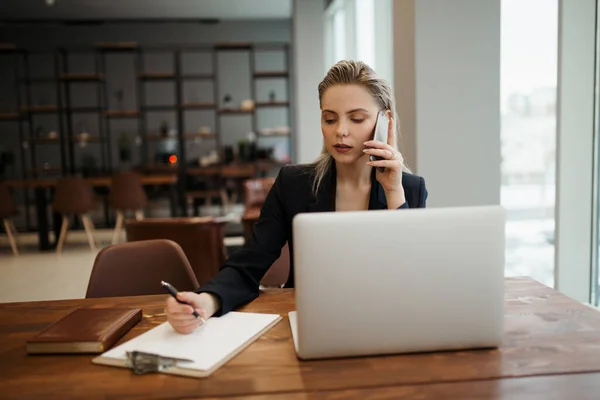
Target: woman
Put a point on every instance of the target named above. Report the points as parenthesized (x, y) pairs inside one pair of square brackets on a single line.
[(341, 179)]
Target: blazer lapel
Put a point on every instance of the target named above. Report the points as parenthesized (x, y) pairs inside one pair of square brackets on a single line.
[(325, 200), (377, 200)]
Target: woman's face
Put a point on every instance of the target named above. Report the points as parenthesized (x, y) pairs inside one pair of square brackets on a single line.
[(348, 116)]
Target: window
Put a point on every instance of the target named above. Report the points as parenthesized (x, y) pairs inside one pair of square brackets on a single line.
[(360, 30), (529, 40), (365, 32)]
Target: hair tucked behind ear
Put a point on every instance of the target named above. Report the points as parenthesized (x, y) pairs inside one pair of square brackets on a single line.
[(354, 73)]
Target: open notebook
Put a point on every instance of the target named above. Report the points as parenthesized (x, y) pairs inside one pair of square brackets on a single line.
[(205, 350)]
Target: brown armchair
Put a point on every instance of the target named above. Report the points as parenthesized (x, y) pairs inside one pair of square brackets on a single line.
[(134, 269), (201, 238), (256, 190), (255, 193)]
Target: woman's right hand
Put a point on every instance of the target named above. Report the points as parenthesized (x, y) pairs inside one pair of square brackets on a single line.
[(181, 316)]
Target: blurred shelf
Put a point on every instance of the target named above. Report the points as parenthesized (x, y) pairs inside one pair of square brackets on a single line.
[(51, 140), (270, 46), (264, 104), (271, 74), (89, 139), (44, 171), (159, 168), (240, 168), (265, 165), (44, 140), (224, 111), (160, 108), (78, 110), (38, 80), (233, 46), (116, 46), (122, 113), (197, 77), (10, 116), (198, 106), (199, 135), (81, 77), (273, 134), (156, 76), (40, 109), (153, 137), (204, 171), (8, 48)]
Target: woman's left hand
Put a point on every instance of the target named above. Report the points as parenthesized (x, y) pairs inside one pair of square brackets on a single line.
[(391, 177)]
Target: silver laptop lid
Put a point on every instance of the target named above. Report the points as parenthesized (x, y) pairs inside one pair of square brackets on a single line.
[(376, 282)]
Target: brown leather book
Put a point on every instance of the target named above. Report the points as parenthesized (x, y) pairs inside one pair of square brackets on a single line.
[(85, 330)]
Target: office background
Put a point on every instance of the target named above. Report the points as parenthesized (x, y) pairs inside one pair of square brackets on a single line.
[(497, 98)]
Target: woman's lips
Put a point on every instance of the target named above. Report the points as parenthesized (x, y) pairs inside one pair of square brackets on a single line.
[(342, 148)]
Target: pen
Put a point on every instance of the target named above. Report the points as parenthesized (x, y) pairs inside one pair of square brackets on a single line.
[(173, 292)]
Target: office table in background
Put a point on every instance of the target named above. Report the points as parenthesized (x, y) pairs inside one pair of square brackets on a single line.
[(41, 187)]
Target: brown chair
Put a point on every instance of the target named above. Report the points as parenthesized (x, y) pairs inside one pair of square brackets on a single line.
[(74, 196), (8, 208), (126, 194), (201, 238), (232, 177), (255, 193), (135, 269), (256, 190), (279, 272)]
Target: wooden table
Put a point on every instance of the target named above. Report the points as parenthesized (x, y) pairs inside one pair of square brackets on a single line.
[(551, 350), (41, 187), (98, 181)]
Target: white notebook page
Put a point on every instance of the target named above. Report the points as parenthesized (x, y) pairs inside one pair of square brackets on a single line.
[(206, 346)]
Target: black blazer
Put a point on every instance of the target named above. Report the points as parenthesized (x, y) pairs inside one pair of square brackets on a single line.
[(239, 278)]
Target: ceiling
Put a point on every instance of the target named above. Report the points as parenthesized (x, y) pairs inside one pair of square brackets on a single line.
[(144, 9)]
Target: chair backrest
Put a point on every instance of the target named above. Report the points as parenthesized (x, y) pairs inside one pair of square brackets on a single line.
[(7, 205), (200, 238), (134, 269), (73, 195), (256, 190), (279, 272), (127, 192)]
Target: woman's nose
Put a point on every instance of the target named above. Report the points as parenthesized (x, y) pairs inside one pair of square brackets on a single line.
[(342, 130)]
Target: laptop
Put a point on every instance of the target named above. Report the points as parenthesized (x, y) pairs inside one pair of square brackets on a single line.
[(391, 282)]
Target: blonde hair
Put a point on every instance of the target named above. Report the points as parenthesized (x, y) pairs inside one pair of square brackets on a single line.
[(347, 72)]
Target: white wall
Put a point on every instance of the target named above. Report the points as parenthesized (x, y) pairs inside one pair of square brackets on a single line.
[(456, 97), (383, 40), (308, 60)]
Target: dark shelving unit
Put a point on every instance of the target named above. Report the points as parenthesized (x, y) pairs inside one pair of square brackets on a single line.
[(67, 111), (68, 78)]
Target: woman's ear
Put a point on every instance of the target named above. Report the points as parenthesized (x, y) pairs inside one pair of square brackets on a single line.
[(388, 113)]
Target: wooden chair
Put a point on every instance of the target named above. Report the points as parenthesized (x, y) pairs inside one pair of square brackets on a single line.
[(136, 268), (74, 196), (8, 209), (126, 194), (255, 193)]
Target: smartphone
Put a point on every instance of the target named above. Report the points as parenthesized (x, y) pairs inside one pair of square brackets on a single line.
[(380, 134)]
